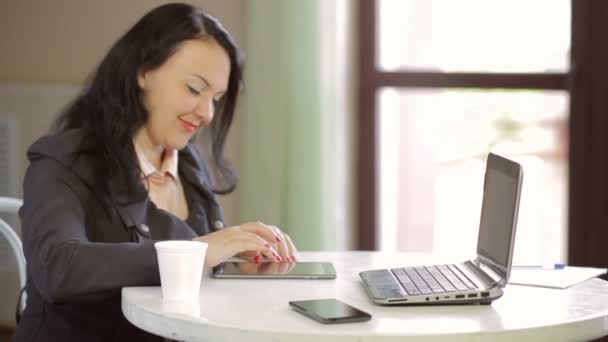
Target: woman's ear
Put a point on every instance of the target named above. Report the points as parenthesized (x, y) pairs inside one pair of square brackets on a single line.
[(141, 79)]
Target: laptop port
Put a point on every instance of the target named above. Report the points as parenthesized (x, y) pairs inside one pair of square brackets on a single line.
[(459, 296), (397, 300), (472, 295), (485, 294)]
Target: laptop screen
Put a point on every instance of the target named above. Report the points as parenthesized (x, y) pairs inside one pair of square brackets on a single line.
[(499, 211)]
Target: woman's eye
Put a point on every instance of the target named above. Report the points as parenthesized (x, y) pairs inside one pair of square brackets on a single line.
[(193, 90)]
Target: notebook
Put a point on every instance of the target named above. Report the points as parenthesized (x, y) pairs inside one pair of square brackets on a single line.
[(473, 281)]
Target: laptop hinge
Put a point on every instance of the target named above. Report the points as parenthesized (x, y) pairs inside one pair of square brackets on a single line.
[(487, 272)]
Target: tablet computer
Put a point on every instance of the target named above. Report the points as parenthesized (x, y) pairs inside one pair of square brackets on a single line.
[(270, 270)]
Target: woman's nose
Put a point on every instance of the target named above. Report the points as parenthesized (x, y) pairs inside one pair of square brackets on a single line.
[(205, 111)]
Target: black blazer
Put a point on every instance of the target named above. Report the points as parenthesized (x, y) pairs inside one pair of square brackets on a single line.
[(80, 255)]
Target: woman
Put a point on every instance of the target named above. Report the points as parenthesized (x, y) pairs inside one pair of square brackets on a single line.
[(120, 172)]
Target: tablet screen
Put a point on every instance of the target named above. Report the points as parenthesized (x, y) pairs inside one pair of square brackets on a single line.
[(299, 270)]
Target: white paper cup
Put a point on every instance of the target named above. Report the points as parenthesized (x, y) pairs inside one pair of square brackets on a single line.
[(181, 264)]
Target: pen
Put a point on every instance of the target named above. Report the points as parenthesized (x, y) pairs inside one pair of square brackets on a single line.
[(558, 266)]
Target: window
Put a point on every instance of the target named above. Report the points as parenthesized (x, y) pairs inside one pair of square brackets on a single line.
[(442, 84)]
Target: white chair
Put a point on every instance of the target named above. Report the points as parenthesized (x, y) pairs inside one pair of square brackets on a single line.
[(11, 206)]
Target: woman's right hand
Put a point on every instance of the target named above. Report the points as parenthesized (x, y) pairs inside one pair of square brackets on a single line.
[(230, 241)]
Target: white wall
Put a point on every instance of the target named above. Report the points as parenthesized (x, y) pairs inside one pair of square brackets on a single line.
[(63, 40)]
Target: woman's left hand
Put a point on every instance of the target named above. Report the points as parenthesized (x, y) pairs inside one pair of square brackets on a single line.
[(282, 244)]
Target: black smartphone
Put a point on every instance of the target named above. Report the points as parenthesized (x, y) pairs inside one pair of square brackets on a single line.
[(329, 311)]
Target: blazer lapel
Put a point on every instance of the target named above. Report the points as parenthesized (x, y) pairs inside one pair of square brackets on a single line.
[(144, 221), (194, 174), (132, 208)]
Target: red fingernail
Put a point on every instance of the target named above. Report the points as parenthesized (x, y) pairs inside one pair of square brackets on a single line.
[(278, 239), (256, 259)]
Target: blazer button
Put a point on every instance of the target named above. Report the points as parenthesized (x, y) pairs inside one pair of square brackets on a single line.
[(219, 224), (144, 228)]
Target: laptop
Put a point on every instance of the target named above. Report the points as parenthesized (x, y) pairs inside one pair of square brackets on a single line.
[(474, 281)]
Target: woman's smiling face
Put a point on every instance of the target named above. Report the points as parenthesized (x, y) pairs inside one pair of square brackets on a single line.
[(180, 95)]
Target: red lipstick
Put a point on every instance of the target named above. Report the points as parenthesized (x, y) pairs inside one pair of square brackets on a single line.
[(189, 127)]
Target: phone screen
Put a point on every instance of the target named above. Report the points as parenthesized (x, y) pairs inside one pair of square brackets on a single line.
[(329, 311)]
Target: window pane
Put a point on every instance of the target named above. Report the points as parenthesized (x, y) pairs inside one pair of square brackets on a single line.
[(473, 35), (432, 147)]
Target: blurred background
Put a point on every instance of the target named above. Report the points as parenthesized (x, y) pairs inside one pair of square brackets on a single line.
[(365, 124)]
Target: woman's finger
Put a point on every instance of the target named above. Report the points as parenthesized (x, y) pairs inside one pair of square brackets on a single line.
[(293, 251), (290, 267), (250, 256), (284, 267), (262, 230), (265, 248), (282, 246)]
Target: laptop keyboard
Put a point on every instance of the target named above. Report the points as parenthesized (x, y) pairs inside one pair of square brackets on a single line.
[(432, 279), (422, 280)]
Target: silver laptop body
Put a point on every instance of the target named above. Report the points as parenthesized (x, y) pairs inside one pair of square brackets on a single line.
[(474, 281)]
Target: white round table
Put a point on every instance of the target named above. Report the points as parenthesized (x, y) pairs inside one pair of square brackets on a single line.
[(256, 310)]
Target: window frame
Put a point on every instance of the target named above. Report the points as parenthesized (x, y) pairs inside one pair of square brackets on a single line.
[(371, 80)]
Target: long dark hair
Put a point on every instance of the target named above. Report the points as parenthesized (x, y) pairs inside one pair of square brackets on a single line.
[(110, 109)]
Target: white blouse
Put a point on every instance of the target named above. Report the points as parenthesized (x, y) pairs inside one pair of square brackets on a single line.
[(165, 188)]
